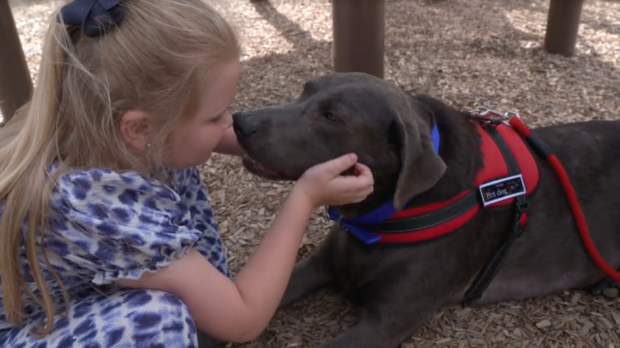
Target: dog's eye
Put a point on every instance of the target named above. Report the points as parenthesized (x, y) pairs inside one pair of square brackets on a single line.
[(330, 116)]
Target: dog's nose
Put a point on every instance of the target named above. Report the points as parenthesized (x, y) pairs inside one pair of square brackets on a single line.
[(243, 125)]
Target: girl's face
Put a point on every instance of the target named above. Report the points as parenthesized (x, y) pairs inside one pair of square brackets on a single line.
[(194, 140)]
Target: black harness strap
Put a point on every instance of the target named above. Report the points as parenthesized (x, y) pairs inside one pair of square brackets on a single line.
[(425, 221), (486, 275)]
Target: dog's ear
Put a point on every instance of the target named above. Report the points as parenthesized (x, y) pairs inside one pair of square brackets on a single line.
[(421, 167)]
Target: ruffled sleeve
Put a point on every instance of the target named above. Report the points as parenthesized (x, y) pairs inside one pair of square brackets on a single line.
[(110, 226)]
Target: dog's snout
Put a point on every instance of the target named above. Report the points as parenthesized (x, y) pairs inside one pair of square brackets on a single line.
[(243, 125)]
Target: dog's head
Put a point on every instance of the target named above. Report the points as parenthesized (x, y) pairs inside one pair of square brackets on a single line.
[(341, 113)]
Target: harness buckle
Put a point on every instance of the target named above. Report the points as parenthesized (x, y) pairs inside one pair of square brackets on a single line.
[(487, 111), (510, 114), (521, 207), (488, 114), (349, 227)]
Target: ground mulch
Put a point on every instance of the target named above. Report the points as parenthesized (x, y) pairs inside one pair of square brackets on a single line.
[(467, 52)]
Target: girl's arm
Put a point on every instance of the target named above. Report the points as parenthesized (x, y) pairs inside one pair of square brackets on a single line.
[(229, 145), (238, 310)]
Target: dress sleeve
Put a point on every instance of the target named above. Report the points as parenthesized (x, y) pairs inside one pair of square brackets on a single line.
[(189, 185), (111, 226)]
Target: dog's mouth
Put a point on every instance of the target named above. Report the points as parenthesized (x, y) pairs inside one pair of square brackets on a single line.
[(257, 168)]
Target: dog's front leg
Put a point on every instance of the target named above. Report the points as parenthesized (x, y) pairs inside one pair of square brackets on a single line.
[(392, 317), (309, 274)]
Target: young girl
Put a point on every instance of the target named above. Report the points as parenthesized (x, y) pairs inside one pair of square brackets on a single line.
[(107, 238)]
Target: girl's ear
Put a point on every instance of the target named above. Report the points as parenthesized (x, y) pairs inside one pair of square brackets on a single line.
[(135, 129)]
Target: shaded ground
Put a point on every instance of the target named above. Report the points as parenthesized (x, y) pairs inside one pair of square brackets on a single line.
[(468, 52)]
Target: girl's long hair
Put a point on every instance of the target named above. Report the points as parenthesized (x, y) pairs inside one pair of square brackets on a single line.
[(157, 60)]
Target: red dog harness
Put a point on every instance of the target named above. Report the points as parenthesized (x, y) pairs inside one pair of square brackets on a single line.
[(509, 171), (509, 175)]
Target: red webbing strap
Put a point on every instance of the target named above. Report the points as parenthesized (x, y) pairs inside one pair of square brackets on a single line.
[(544, 151)]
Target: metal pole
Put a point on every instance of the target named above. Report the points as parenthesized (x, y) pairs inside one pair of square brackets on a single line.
[(359, 32), (15, 80)]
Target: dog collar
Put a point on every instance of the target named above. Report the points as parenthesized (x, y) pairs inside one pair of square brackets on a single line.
[(435, 138)]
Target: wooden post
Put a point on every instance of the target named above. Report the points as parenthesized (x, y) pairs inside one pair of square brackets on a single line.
[(15, 80), (359, 30), (563, 26)]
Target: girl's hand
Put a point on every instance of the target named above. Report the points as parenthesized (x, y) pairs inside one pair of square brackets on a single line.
[(322, 184)]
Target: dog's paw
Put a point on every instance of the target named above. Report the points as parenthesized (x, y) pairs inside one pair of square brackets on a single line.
[(612, 293), (606, 287)]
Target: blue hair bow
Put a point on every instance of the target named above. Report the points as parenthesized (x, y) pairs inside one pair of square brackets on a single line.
[(94, 16)]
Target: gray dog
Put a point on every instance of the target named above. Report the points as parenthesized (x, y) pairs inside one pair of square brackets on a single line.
[(450, 220)]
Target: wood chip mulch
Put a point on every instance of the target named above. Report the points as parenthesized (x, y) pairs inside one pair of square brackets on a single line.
[(468, 52)]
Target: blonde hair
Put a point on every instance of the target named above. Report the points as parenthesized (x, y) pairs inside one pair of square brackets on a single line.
[(157, 60)]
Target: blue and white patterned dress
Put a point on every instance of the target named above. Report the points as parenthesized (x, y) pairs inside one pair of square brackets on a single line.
[(106, 226)]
